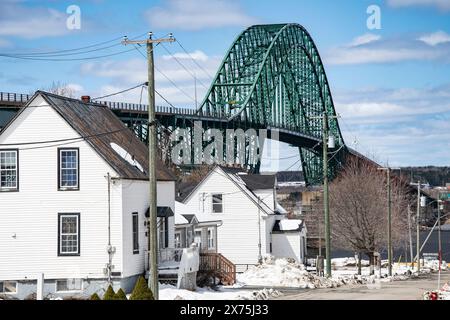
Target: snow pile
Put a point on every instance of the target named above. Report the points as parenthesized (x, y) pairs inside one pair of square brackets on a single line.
[(347, 262), (169, 292), (290, 224), (283, 273), (434, 265)]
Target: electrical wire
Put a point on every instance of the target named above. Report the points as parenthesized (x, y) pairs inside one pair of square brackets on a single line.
[(62, 140), (119, 92), (198, 65), (66, 59), (170, 80), (183, 66)]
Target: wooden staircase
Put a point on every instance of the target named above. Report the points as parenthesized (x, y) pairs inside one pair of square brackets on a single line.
[(220, 266)]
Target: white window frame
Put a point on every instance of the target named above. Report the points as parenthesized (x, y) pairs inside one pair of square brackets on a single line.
[(60, 169), (16, 169), (3, 291), (221, 202), (135, 215), (211, 231), (195, 237), (162, 234), (73, 290), (177, 244), (60, 233)]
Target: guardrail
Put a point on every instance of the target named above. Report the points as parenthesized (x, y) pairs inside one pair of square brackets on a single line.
[(14, 97), (125, 106)]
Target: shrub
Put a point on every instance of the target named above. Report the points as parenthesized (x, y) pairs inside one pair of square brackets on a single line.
[(95, 297), (120, 295), (141, 291), (109, 294)]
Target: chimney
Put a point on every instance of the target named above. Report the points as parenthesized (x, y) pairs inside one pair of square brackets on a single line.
[(86, 99)]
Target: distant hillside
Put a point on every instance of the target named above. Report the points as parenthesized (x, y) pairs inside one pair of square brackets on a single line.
[(435, 176)]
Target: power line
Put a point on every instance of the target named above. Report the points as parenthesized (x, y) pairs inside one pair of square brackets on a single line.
[(66, 59), (63, 140), (198, 65), (63, 51), (119, 92), (170, 80), (183, 66), (74, 51)]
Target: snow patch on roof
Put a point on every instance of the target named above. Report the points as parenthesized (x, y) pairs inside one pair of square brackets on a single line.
[(290, 224), (125, 155)]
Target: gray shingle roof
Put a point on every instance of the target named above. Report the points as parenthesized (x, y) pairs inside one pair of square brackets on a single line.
[(93, 120)]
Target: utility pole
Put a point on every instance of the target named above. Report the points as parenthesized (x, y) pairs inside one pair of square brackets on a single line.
[(389, 216), (439, 238), (152, 225), (411, 253), (326, 206), (418, 227), (259, 232)]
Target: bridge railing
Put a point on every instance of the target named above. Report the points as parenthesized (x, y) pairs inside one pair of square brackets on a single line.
[(14, 97), (143, 107)]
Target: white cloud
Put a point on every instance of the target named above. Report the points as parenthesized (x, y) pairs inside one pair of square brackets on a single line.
[(197, 55), (364, 39), (440, 4), (370, 48), (31, 22), (124, 74), (75, 88), (403, 125), (435, 38), (198, 14)]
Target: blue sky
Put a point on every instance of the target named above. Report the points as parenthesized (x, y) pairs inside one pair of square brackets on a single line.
[(391, 86)]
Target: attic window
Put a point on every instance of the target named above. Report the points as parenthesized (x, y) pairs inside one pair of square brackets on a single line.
[(126, 156)]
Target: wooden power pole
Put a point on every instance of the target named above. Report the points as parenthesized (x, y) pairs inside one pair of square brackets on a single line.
[(389, 216), (326, 207), (152, 225)]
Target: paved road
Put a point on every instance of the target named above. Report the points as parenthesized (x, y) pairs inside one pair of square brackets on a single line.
[(398, 290)]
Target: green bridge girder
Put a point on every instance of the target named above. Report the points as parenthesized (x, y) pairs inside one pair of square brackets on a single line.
[(273, 77)]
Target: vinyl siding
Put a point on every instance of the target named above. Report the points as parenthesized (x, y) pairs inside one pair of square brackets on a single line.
[(31, 214), (237, 237), (135, 199)]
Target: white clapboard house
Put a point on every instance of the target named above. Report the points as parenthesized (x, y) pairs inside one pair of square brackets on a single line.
[(73, 199), (253, 224)]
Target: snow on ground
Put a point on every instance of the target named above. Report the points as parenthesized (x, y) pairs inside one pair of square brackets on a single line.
[(282, 273), (287, 273), (169, 292)]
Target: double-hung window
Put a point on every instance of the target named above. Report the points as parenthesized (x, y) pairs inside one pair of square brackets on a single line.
[(69, 234), (211, 238), (135, 221), (9, 167), (217, 204), (68, 169)]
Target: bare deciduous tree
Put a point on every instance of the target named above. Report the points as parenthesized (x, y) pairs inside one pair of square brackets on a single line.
[(61, 89), (358, 207)]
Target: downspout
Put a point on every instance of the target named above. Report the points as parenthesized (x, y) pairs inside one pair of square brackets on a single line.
[(109, 248)]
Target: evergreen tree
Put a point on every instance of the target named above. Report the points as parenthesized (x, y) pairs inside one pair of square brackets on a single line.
[(109, 294), (120, 295), (95, 297), (141, 291)]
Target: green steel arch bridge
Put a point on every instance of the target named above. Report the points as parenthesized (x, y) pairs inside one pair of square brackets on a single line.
[(272, 78)]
